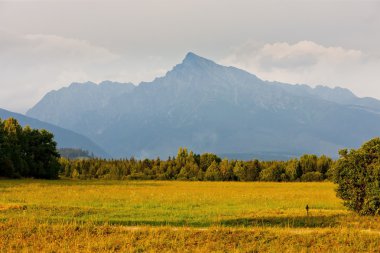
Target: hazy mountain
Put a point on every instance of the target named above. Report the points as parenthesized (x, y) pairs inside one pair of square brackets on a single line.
[(71, 106), (64, 138), (208, 107), (337, 95)]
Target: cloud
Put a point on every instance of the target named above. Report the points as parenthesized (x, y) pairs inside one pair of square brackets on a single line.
[(69, 50), (33, 64), (310, 63), (48, 49)]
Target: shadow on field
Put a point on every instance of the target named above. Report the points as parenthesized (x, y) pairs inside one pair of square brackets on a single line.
[(294, 222), (8, 183), (159, 223), (268, 221)]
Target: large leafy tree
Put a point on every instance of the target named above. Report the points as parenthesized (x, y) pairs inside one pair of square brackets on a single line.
[(206, 159), (213, 172), (308, 163), (357, 173), (41, 153), (226, 170), (26, 152), (12, 162), (6, 168)]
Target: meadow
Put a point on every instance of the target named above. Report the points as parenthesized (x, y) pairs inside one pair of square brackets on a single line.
[(140, 216)]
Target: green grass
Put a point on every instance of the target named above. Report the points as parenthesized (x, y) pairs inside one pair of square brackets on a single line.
[(169, 203), (133, 213)]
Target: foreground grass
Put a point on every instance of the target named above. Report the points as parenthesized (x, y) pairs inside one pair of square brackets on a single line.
[(34, 236), (179, 216)]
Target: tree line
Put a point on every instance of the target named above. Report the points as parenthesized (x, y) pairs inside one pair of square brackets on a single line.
[(27, 152), (74, 153), (208, 167)]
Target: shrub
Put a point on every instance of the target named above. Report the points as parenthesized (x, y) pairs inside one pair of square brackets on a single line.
[(357, 173)]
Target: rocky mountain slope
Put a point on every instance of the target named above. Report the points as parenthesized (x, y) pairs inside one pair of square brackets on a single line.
[(212, 108)]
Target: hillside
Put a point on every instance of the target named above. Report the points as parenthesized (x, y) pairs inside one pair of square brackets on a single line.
[(64, 138)]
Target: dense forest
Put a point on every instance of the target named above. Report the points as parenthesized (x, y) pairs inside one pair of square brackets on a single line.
[(189, 166), (74, 153), (26, 152)]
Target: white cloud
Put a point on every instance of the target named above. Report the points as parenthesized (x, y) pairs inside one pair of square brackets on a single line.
[(50, 49), (310, 63), (33, 64), (68, 50)]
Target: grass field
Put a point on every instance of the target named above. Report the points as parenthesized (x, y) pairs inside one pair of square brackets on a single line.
[(138, 216)]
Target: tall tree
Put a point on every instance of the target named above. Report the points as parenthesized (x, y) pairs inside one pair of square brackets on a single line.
[(27, 152), (13, 163), (213, 172), (357, 173)]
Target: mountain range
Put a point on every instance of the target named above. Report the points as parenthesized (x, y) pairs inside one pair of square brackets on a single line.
[(63, 137), (212, 108)]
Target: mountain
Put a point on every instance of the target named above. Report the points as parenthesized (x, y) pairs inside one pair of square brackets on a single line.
[(77, 102), (337, 95), (212, 108), (64, 138)]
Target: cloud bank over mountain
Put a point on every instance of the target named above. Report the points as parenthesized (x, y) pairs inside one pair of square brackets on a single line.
[(48, 62), (34, 64), (311, 63), (43, 48)]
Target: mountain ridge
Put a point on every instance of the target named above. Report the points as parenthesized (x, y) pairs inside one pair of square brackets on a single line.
[(209, 107)]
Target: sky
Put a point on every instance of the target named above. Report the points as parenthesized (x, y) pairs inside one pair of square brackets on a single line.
[(46, 45)]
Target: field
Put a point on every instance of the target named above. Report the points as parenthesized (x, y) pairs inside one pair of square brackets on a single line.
[(140, 216)]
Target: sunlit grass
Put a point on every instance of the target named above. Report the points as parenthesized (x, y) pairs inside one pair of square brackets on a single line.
[(161, 203), (178, 216)]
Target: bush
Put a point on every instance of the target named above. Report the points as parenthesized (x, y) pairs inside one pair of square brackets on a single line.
[(357, 173)]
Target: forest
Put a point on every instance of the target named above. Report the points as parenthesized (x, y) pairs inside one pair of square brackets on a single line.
[(194, 167)]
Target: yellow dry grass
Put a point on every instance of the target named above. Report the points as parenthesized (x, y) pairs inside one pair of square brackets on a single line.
[(151, 216)]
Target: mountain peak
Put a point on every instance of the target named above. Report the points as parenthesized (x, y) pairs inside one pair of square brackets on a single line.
[(192, 56), (194, 59)]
